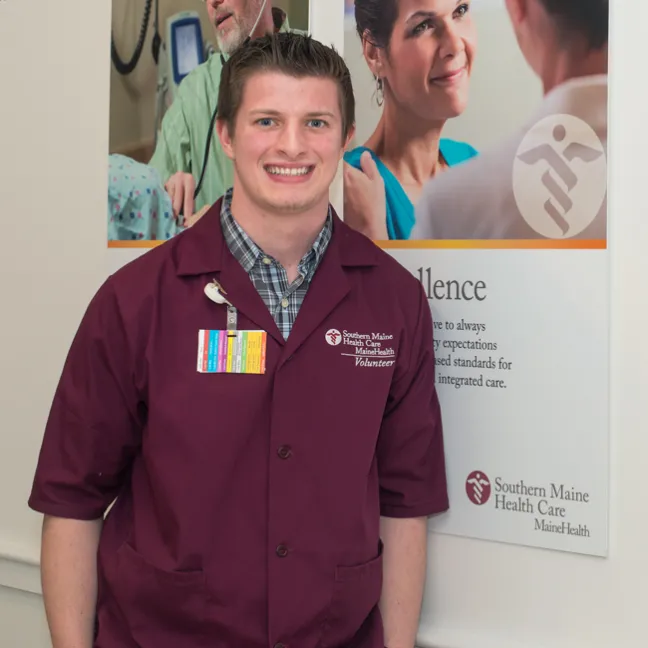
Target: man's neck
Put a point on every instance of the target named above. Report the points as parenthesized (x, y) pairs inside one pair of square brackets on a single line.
[(563, 65), (266, 24), (286, 237)]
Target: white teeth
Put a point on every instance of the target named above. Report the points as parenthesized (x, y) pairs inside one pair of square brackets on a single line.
[(287, 172)]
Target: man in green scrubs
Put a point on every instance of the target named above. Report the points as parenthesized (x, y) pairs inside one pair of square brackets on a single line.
[(180, 151)]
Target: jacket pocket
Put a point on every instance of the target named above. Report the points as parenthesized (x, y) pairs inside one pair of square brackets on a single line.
[(356, 594), (163, 609)]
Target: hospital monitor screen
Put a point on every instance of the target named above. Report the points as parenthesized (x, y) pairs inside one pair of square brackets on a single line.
[(187, 48)]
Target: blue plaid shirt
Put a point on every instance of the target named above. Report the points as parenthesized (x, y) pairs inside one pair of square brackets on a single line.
[(267, 274)]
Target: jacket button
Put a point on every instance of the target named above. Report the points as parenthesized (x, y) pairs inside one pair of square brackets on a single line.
[(279, 645), (284, 452), (282, 551)]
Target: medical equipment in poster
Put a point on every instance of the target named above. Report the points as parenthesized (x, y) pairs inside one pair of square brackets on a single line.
[(175, 56), (183, 50)]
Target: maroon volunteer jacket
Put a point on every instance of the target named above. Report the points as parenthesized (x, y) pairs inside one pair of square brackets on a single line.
[(247, 506)]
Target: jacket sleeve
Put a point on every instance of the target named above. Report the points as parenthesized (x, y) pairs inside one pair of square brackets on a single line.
[(411, 461), (95, 423)]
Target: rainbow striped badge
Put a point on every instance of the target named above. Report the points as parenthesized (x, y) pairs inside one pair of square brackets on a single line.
[(242, 352)]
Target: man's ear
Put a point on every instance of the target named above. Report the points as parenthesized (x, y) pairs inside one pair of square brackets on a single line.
[(517, 10), (349, 138), (223, 132)]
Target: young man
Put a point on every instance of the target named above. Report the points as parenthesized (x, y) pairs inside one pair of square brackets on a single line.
[(271, 488), (180, 151), (566, 45)]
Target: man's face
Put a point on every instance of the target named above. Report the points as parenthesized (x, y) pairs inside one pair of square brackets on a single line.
[(233, 21), (287, 142)]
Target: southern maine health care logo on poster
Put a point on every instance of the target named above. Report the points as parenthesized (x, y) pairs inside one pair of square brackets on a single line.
[(478, 488), (560, 176), (549, 508), (367, 349)]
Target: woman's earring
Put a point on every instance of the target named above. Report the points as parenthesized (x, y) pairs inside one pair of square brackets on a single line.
[(380, 95)]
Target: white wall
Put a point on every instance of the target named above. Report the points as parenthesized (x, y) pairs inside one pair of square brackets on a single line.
[(54, 70), (52, 257), (22, 622)]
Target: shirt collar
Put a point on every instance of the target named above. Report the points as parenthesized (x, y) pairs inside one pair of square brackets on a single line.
[(199, 249), (247, 253), (576, 96), (242, 247)]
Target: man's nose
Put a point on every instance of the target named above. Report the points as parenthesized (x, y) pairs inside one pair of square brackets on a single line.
[(292, 140)]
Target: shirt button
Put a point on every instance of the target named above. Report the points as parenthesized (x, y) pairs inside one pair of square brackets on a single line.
[(285, 302), (267, 261), (282, 551), (284, 452)]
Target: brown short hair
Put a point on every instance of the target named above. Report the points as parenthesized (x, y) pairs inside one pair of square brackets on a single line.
[(589, 19), (289, 53)]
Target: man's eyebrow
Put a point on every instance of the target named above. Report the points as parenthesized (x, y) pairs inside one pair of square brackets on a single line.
[(264, 111), (276, 113), (321, 113)]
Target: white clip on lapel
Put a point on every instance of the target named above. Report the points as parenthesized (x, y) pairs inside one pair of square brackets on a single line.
[(216, 293)]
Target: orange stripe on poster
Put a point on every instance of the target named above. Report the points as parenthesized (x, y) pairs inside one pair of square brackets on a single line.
[(495, 244), (134, 244)]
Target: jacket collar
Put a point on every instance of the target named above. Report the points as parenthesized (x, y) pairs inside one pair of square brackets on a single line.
[(200, 249)]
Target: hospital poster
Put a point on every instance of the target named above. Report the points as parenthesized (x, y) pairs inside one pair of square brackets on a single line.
[(483, 170), (158, 49)]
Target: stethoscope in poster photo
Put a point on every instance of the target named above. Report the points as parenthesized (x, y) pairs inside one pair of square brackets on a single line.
[(212, 122), (183, 51)]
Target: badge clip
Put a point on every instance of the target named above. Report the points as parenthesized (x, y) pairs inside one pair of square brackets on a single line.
[(217, 293)]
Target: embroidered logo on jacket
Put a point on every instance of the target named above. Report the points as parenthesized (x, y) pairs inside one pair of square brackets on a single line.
[(366, 349)]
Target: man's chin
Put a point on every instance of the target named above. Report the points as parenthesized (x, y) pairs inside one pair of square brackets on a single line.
[(290, 206), (229, 43)]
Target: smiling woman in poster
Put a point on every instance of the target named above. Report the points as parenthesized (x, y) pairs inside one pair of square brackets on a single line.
[(420, 53)]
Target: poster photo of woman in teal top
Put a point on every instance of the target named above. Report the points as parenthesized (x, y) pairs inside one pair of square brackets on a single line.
[(420, 54)]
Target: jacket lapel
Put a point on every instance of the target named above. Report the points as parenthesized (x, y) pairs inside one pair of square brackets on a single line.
[(331, 283), (244, 297), (202, 251)]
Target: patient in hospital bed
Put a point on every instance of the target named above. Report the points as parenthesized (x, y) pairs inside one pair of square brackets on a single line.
[(139, 208)]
